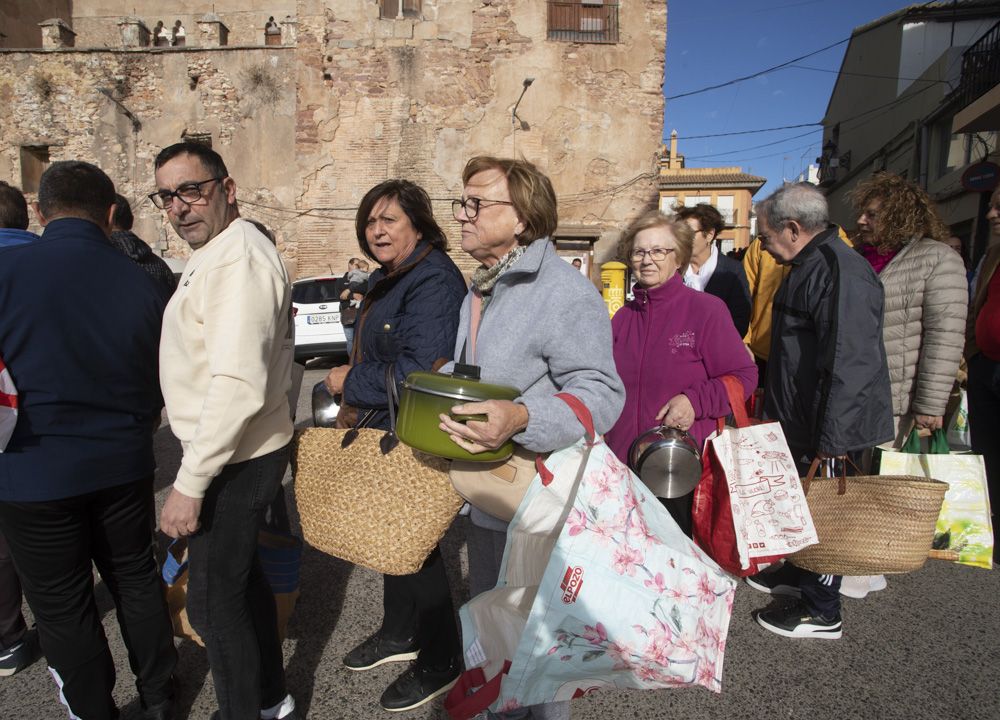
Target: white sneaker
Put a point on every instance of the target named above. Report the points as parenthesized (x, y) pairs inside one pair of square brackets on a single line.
[(858, 586)]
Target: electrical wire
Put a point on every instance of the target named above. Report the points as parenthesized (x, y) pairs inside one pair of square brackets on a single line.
[(756, 74), (753, 147), (773, 68), (746, 132), (867, 75)]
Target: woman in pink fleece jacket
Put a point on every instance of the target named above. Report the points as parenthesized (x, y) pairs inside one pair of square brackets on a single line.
[(672, 345)]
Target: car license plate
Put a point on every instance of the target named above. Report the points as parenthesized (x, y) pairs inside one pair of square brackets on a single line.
[(323, 319)]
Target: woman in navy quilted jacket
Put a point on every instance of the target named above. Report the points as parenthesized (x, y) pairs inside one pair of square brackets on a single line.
[(409, 318)]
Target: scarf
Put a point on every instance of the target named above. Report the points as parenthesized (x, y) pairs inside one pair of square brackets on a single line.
[(484, 278), (876, 259)]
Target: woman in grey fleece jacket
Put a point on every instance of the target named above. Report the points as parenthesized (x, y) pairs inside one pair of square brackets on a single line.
[(542, 328)]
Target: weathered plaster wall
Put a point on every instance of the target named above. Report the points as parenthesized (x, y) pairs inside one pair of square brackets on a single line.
[(359, 99), (417, 98), (244, 99)]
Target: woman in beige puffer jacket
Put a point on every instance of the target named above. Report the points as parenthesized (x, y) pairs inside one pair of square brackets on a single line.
[(926, 296)]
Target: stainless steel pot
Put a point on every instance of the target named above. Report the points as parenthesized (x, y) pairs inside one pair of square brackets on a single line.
[(324, 406), (667, 461)]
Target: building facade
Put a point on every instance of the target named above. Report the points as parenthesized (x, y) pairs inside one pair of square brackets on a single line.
[(901, 117), (728, 189), (311, 102)]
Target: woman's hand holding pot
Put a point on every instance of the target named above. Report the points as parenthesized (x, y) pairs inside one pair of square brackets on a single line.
[(677, 413), (503, 420), (334, 380)]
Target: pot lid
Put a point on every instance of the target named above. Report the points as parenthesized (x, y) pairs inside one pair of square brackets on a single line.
[(458, 387)]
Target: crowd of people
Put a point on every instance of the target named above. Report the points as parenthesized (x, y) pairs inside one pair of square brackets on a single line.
[(855, 344)]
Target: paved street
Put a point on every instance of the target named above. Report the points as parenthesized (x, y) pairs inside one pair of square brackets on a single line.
[(924, 648)]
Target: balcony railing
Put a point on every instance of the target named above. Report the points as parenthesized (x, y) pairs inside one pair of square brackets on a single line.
[(583, 21), (980, 68)]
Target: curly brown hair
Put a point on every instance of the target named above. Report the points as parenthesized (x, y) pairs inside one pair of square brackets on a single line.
[(907, 211)]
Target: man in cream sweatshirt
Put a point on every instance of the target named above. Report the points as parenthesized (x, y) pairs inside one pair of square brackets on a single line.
[(225, 368)]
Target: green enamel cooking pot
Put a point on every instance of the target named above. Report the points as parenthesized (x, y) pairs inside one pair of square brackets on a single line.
[(426, 395)]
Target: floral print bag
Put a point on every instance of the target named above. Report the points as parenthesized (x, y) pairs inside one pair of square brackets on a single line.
[(598, 589)]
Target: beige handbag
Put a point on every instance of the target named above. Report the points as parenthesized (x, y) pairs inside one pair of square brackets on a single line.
[(496, 488)]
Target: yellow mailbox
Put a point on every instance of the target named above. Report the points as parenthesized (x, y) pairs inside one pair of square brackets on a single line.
[(613, 285)]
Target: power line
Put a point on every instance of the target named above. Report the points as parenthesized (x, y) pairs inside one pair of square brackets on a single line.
[(753, 147), (868, 75), (756, 74), (764, 157), (748, 132), (775, 67)]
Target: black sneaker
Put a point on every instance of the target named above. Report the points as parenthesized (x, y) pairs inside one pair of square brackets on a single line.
[(796, 621), (783, 581), (20, 655), (377, 650), (418, 685)]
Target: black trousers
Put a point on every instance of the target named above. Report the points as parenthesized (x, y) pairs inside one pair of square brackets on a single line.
[(55, 545), (12, 627), (820, 593), (419, 606)]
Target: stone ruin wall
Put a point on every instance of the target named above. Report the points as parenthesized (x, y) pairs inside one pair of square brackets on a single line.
[(417, 98), (244, 100), (307, 130)]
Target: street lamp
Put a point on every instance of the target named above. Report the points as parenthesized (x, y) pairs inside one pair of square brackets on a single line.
[(514, 118)]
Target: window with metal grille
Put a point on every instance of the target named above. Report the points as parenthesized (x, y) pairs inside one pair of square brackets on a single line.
[(583, 21), (397, 9)]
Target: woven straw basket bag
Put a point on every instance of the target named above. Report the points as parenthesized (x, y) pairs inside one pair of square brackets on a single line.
[(870, 524), (384, 512)]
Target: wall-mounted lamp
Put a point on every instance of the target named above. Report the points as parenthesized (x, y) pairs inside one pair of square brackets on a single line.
[(514, 118)]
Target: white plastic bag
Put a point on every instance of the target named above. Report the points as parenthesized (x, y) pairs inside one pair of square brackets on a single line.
[(8, 406)]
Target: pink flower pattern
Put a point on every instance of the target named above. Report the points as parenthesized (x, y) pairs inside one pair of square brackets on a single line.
[(683, 639)]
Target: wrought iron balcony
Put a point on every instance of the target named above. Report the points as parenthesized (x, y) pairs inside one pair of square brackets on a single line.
[(980, 68), (583, 21)]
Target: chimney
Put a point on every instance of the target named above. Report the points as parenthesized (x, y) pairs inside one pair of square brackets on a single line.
[(56, 34), (214, 32), (289, 30), (134, 32), (673, 150)]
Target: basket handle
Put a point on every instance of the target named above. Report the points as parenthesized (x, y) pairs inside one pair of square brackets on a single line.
[(825, 468)]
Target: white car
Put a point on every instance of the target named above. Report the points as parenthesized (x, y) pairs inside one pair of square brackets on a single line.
[(316, 308)]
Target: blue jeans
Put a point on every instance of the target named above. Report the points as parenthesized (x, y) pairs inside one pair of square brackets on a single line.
[(229, 601)]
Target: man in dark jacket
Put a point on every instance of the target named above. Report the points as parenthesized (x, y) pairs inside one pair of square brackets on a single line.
[(138, 251), (712, 272), (827, 379), (77, 486)]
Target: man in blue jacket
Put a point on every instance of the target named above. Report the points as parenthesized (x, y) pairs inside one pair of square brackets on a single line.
[(18, 645), (76, 479), (13, 217)]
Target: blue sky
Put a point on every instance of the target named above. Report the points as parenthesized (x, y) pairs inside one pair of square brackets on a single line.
[(713, 41)]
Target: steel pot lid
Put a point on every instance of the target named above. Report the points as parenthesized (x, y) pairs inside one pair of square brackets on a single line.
[(667, 461), (458, 387)]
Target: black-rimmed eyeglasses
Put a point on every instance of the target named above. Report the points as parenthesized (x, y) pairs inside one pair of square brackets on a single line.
[(472, 205), (188, 193)]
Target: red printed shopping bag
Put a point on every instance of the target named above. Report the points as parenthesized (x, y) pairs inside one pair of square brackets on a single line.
[(749, 509)]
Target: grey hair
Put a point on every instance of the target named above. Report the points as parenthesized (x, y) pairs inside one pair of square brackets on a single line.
[(801, 202)]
